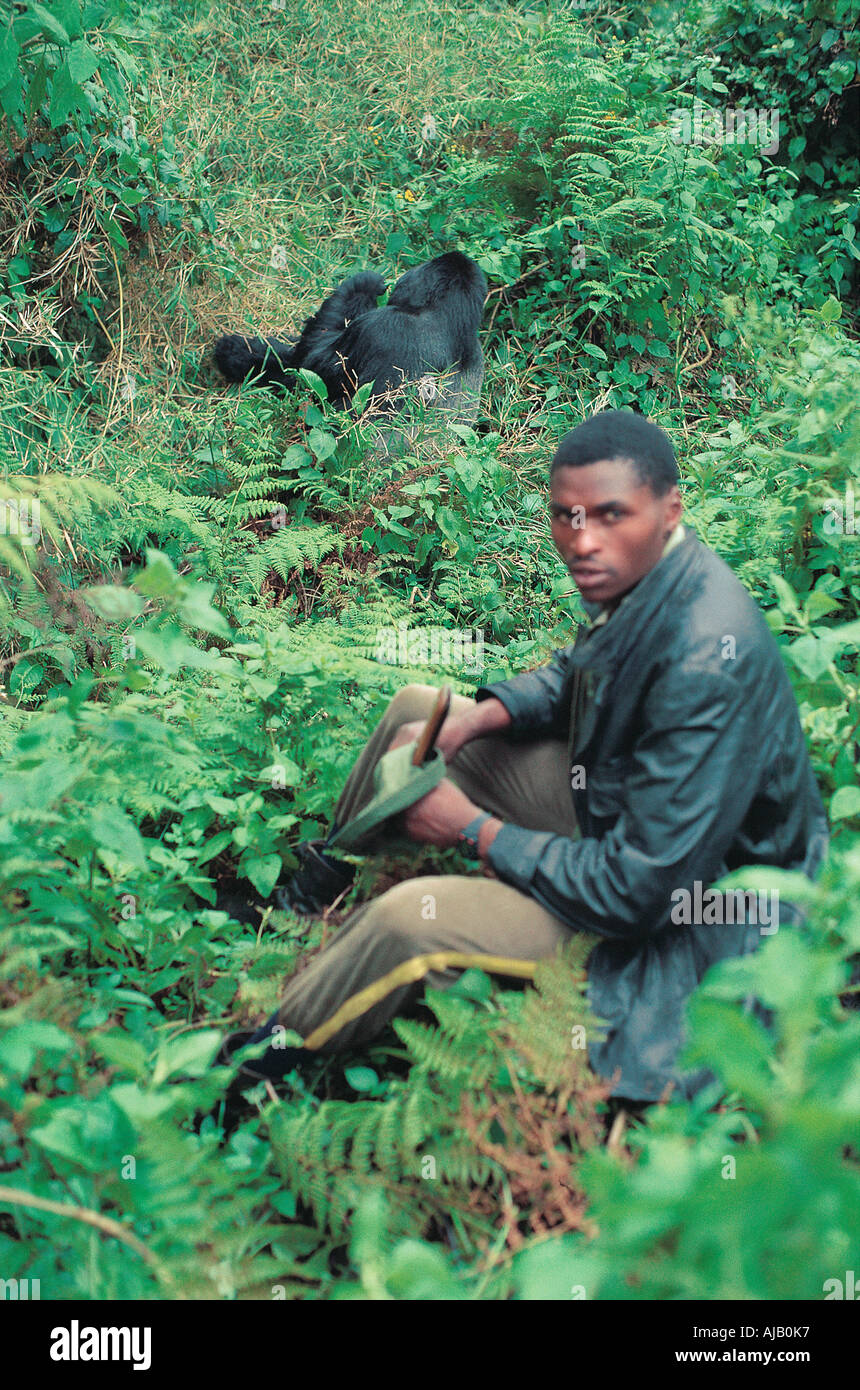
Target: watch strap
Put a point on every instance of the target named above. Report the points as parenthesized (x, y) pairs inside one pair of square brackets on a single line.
[(468, 837)]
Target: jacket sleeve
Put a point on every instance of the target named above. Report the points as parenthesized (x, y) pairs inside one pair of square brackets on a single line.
[(685, 793), (537, 701)]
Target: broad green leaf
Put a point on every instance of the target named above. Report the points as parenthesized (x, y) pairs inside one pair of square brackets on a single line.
[(474, 984), (791, 885), (190, 1054), (65, 906), (66, 96), (170, 649), (844, 635), (734, 1045), (68, 12), (786, 595), (559, 1269), (284, 1203), (263, 870), (469, 471), (93, 1133), (418, 1271), (786, 973), (94, 12), (322, 444), (810, 656), (314, 383), (214, 846), (115, 231), (361, 1078), (296, 457), (8, 56), (39, 786), (115, 604), (51, 26), (831, 310), (19, 1045), (121, 1050), (196, 609), (264, 689), (819, 603), (284, 773), (83, 61), (116, 833), (845, 803), (159, 578), (141, 1105), (12, 98)]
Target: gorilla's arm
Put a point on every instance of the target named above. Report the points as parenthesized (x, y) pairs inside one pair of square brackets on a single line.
[(272, 359), (238, 357), (318, 348)]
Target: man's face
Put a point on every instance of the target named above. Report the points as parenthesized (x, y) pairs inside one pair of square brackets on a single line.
[(618, 530)]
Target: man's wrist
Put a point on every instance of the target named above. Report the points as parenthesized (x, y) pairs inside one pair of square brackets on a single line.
[(487, 834), (487, 717)]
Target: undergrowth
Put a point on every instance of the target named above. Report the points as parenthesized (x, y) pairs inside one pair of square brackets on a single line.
[(207, 597)]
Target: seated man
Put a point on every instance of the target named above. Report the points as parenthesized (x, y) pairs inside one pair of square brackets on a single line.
[(657, 753)]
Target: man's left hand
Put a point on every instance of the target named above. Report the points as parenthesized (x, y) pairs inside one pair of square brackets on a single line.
[(439, 816)]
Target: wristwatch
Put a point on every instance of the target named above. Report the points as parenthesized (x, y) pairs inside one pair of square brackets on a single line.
[(468, 837)]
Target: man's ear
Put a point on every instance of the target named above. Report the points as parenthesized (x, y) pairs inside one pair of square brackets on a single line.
[(674, 508)]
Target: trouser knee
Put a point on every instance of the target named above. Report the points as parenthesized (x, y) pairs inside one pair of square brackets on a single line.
[(394, 920), (411, 702)]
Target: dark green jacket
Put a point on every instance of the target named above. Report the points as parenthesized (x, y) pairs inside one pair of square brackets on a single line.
[(694, 764)]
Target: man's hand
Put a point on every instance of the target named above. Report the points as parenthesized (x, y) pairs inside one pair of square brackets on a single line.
[(451, 738), (439, 816), (490, 716)]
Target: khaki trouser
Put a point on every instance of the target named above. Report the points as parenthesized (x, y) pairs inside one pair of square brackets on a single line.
[(424, 928)]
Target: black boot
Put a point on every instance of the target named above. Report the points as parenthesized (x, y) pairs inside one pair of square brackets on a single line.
[(319, 880)]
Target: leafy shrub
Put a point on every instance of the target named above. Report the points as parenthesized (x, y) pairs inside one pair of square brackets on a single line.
[(80, 178)]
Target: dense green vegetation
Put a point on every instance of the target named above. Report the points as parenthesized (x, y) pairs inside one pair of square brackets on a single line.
[(193, 581)]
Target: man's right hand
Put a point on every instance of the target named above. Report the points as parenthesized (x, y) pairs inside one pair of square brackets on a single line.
[(486, 717), (451, 738)]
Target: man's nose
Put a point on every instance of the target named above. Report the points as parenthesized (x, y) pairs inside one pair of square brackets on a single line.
[(582, 542)]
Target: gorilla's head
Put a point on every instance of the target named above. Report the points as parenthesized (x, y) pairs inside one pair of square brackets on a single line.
[(426, 286)]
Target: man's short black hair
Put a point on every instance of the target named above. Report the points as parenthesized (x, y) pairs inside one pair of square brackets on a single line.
[(621, 434)]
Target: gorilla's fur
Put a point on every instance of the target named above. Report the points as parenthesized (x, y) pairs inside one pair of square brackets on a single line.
[(428, 328)]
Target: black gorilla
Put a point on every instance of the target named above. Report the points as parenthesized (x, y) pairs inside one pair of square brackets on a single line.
[(429, 326)]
